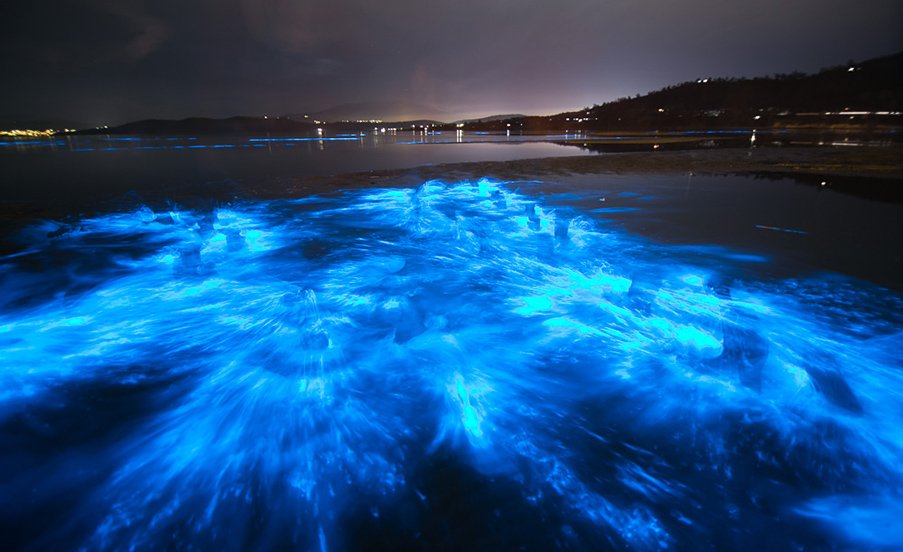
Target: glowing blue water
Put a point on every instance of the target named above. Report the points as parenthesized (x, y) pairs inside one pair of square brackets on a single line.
[(454, 365)]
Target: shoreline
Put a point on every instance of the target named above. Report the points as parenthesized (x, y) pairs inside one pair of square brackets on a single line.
[(874, 172), (885, 163), (871, 172), (862, 173)]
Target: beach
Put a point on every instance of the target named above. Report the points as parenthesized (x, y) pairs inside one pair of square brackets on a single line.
[(883, 163)]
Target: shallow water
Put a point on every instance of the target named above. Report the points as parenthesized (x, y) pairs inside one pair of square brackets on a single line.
[(79, 172), (461, 365)]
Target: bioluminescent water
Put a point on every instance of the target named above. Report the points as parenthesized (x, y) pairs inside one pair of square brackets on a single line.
[(456, 366)]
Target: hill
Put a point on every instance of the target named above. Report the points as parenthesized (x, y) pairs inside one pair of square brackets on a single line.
[(244, 125), (870, 91), (492, 118), (202, 125)]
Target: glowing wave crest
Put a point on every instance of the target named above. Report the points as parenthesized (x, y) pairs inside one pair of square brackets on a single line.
[(286, 366)]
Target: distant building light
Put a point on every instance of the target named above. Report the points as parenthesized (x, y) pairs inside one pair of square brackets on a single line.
[(757, 117), (31, 133)]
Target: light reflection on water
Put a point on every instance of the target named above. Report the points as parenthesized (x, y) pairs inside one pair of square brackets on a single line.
[(102, 143), (456, 365)]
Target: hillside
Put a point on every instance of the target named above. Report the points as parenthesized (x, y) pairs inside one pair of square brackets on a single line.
[(781, 100), (202, 125)]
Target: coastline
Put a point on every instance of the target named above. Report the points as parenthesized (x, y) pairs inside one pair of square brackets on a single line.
[(881, 165), (875, 172)]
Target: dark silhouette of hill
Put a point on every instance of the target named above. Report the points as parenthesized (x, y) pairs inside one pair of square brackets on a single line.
[(492, 118), (241, 125), (203, 125), (780, 100), (871, 85)]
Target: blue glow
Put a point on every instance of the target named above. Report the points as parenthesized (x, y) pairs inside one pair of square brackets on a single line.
[(31, 143), (534, 305), (280, 368), (779, 229), (469, 416)]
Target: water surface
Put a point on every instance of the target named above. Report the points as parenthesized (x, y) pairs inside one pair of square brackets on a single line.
[(590, 362), (478, 364)]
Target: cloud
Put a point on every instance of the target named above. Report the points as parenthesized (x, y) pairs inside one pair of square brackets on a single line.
[(148, 32)]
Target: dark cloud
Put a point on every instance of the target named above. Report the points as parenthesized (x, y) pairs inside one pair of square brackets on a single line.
[(110, 61)]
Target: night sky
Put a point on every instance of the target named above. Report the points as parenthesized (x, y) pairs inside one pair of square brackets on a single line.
[(108, 62)]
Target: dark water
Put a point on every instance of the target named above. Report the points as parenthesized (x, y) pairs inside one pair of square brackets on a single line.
[(77, 171), (602, 363)]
